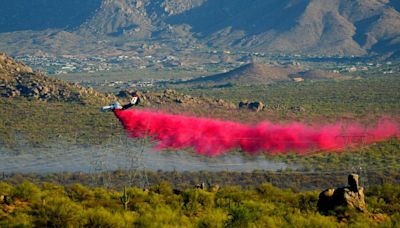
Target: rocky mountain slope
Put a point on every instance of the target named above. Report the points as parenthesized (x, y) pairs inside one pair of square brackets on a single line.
[(18, 80), (321, 27), (324, 27)]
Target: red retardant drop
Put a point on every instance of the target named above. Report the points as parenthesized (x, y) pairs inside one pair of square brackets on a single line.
[(213, 137)]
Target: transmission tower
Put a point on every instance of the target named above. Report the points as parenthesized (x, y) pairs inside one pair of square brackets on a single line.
[(135, 156), (98, 165), (359, 164)]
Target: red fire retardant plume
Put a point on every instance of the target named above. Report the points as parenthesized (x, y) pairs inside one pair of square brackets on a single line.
[(213, 137)]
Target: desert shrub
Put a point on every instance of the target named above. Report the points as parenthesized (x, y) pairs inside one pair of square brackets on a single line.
[(52, 189), (229, 196), (106, 199), (138, 198), (384, 199), (17, 219), (215, 218), (164, 188), (164, 193), (5, 189), (78, 192), (58, 212), (240, 216), (100, 217), (307, 201), (101, 194), (197, 199), (162, 216), (389, 192), (297, 219), (266, 206), (26, 192), (395, 220), (271, 221), (273, 194)]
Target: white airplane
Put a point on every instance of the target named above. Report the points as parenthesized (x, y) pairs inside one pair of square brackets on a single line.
[(117, 105)]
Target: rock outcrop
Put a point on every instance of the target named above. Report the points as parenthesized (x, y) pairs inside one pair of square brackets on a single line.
[(18, 80), (351, 196), (256, 106)]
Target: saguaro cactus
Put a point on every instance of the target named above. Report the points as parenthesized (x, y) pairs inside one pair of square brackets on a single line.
[(125, 199)]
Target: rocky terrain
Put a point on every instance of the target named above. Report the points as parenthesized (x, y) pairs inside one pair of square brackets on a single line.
[(351, 196), (170, 96), (17, 80), (321, 27)]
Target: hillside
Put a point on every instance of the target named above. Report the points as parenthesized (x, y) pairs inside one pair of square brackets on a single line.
[(252, 73), (18, 80), (322, 27), (318, 74), (262, 74)]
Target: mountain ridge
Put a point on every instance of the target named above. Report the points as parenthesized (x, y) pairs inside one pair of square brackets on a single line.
[(320, 27)]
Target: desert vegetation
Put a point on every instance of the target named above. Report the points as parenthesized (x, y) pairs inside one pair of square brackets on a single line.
[(35, 122), (326, 99), (52, 205)]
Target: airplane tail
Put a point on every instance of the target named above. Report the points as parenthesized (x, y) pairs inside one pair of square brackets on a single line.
[(111, 107)]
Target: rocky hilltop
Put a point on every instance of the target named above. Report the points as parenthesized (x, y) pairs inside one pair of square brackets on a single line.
[(321, 27), (18, 80), (262, 74)]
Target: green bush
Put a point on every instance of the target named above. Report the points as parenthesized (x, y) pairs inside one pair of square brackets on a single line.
[(164, 188), (273, 194), (307, 201), (17, 219), (297, 219), (196, 200), (216, 218), (264, 206), (52, 189), (384, 199), (240, 216), (58, 212), (100, 217), (26, 192), (229, 196), (78, 192), (162, 216), (5, 189)]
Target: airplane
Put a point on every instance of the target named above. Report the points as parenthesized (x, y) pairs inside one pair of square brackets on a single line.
[(117, 105)]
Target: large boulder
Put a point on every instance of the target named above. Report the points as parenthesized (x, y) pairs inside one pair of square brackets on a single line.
[(351, 196), (256, 106)]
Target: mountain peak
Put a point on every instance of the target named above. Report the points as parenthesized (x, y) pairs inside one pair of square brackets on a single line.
[(320, 27)]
